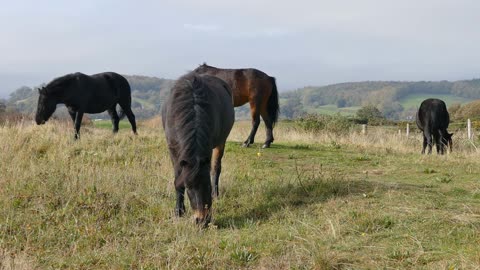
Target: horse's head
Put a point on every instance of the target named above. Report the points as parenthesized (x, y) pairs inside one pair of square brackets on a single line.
[(47, 104), (199, 189)]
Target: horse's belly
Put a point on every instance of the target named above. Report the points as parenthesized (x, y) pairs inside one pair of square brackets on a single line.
[(99, 108), (239, 100)]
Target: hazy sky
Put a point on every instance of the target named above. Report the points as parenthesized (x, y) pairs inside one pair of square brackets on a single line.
[(299, 42)]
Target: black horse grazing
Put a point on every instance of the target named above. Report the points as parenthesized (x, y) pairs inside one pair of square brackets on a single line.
[(433, 120), (255, 87), (87, 94), (197, 117)]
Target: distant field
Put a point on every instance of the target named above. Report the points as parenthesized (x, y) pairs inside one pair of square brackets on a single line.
[(413, 101)]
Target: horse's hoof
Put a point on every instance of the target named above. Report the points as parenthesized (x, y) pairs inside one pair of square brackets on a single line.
[(179, 212), (265, 146), (245, 145)]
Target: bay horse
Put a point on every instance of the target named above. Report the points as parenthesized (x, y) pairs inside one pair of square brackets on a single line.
[(255, 87), (197, 119), (87, 94)]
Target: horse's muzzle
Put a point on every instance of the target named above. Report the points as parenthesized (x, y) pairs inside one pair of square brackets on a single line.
[(202, 217)]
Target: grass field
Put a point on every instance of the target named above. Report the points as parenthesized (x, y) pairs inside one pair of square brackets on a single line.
[(107, 124), (414, 100), (312, 201)]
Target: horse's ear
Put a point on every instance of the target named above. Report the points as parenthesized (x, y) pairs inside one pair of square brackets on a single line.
[(196, 82), (42, 90), (204, 64), (450, 134)]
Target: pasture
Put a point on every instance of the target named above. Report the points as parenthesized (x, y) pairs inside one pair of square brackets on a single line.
[(413, 101), (311, 201)]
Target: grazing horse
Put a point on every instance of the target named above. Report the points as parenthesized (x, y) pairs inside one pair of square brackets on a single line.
[(255, 87), (197, 118), (433, 120), (87, 94)]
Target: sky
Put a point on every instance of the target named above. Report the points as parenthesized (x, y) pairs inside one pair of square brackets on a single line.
[(301, 43)]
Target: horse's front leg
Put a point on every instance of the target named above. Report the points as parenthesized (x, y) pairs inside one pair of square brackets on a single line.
[(180, 205), (72, 114), (78, 123), (216, 168)]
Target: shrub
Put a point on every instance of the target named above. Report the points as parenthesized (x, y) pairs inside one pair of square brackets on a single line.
[(371, 115), (330, 123)]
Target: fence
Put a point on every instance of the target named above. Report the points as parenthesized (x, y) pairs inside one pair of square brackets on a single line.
[(471, 128)]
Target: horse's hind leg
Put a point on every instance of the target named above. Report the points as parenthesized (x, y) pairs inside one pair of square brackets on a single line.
[(78, 124), (216, 167), (115, 118), (268, 129), (424, 144), (255, 124), (428, 138), (131, 119), (438, 142)]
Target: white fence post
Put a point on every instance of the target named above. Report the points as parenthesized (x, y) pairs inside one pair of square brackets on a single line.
[(364, 129), (408, 130), (469, 129)]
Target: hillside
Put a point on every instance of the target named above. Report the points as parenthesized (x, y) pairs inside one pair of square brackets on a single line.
[(396, 100)]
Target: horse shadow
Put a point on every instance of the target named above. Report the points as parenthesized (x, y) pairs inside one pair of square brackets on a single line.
[(300, 195)]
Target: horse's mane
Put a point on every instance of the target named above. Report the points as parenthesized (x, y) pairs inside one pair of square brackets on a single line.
[(59, 82), (192, 122)]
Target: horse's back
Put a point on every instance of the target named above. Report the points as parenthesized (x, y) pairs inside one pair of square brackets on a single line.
[(221, 104), (433, 115), (114, 80), (209, 93)]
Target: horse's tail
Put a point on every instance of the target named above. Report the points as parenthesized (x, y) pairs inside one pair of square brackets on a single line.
[(273, 108), (117, 88)]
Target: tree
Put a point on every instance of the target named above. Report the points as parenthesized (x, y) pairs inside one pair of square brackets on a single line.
[(292, 108), (368, 113), (341, 103), (3, 107)]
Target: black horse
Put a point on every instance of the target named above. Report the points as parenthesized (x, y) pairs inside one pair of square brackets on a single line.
[(255, 87), (87, 94), (197, 118), (432, 120)]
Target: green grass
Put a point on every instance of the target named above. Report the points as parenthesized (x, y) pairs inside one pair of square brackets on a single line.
[(106, 202), (414, 100), (107, 124)]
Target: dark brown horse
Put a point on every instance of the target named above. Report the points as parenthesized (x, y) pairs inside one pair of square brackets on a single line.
[(255, 87), (197, 118), (87, 94)]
